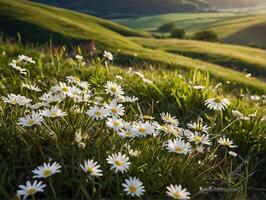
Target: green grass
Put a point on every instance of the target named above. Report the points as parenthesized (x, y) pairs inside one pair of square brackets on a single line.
[(232, 56), (229, 26), (72, 26)]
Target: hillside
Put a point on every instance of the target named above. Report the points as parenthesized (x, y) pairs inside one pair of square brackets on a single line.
[(236, 28), (241, 58), (235, 3), (112, 8), (67, 26)]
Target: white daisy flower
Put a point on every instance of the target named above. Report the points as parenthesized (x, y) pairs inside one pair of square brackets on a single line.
[(96, 112), (62, 88), (232, 153), (176, 192), (167, 118), (237, 114), (53, 112), (30, 188), (226, 142), (198, 126), (91, 168), (108, 55), (79, 57), (171, 129), (23, 58), (115, 109), (127, 132), (119, 162), (128, 99), (133, 187), (114, 123), (198, 87), (51, 98), (113, 89), (46, 170), (14, 65), (178, 146), (30, 120), (217, 103), (143, 129), (255, 97), (199, 139), (16, 99), (32, 87)]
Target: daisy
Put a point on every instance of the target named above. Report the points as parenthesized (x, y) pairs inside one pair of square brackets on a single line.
[(133, 187), (128, 99), (198, 87), (119, 162), (237, 114), (255, 97), (16, 99), (114, 123), (63, 88), (91, 168), (226, 142), (32, 87), (108, 55), (178, 146), (176, 192), (113, 89), (53, 112), (30, 120), (167, 118), (115, 109), (96, 112), (217, 103), (30, 188), (198, 126), (143, 129), (197, 138), (14, 65), (46, 170), (127, 132), (51, 98), (23, 58)]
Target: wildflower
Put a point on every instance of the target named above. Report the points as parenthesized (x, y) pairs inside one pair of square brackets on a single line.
[(32, 87), (197, 138), (30, 120), (176, 192), (115, 109), (127, 132), (14, 65), (23, 58), (198, 87), (113, 89), (217, 103), (16, 99), (50, 97), (62, 88), (171, 129), (133, 187), (91, 168), (255, 97), (178, 146), (96, 112), (127, 99), (119, 162), (226, 142), (114, 123), (30, 188), (234, 154), (46, 170), (237, 114), (53, 112), (198, 126), (108, 55), (167, 118), (143, 129), (79, 58)]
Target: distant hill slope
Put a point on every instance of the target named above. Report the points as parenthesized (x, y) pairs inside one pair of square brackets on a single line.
[(109, 8), (37, 22), (235, 3), (235, 28)]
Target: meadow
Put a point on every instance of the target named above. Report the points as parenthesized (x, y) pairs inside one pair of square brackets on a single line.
[(90, 109)]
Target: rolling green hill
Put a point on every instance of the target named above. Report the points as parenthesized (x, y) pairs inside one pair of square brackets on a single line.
[(111, 8), (37, 22), (231, 27), (233, 56)]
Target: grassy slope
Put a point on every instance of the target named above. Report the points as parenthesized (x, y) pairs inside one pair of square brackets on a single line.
[(254, 60), (82, 27), (229, 26)]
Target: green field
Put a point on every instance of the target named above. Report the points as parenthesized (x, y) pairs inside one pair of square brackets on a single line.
[(238, 28), (241, 58)]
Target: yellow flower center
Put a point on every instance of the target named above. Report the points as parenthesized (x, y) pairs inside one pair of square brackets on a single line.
[(77, 79), (90, 170), (176, 195), (178, 149), (47, 172), (53, 114), (97, 113), (31, 191), (65, 89), (113, 89), (227, 143), (116, 123), (133, 189), (141, 129), (217, 100), (119, 163), (114, 110), (128, 133), (14, 101), (197, 138), (198, 128), (30, 122)]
